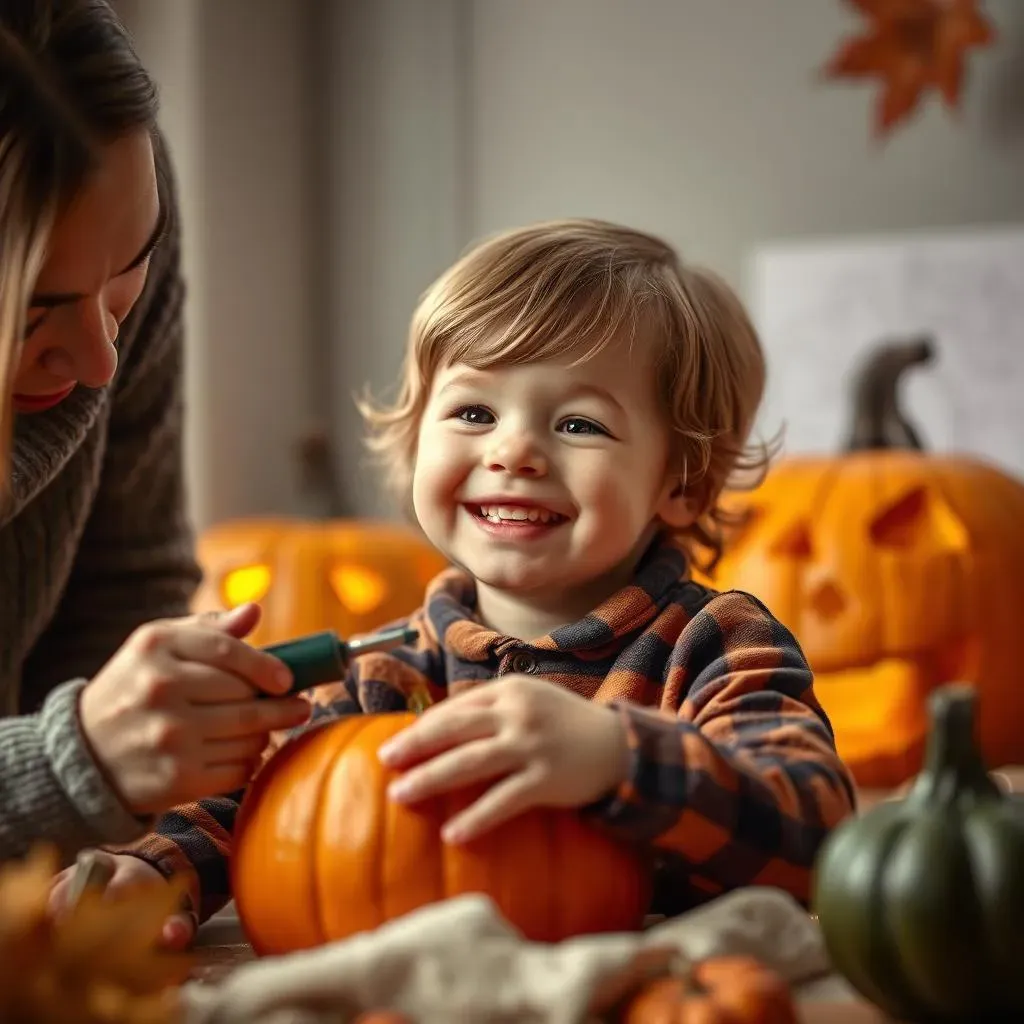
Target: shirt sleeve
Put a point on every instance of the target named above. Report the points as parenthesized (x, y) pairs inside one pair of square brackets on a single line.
[(736, 775)]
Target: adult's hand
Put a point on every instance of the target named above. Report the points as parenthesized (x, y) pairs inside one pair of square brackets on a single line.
[(174, 715)]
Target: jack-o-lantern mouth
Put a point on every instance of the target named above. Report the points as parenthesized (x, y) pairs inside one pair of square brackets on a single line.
[(882, 707)]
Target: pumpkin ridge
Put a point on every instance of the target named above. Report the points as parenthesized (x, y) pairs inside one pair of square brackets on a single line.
[(346, 739), (389, 726), (884, 955)]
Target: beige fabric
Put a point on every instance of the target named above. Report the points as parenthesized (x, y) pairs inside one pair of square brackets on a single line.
[(459, 961)]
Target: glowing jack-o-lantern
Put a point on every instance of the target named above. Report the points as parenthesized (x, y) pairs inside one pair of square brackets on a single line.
[(897, 571), (348, 575), (317, 571)]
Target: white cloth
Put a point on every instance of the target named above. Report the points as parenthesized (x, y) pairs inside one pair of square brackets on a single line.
[(460, 961)]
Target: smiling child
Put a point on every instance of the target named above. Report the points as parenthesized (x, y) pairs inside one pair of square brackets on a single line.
[(573, 401)]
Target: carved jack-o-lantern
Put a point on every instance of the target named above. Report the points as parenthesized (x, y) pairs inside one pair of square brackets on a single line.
[(321, 571), (897, 571), (348, 575)]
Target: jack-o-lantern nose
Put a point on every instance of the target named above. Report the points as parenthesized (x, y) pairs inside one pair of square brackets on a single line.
[(827, 600)]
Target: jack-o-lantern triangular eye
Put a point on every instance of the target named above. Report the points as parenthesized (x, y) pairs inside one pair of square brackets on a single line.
[(916, 515), (358, 588), (244, 584), (794, 542)]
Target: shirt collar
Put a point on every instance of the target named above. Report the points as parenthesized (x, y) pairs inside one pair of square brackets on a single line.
[(451, 610)]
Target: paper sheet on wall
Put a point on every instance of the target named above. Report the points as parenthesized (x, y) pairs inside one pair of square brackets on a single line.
[(821, 306)]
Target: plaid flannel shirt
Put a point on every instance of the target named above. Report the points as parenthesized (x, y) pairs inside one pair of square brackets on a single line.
[(735, 779)]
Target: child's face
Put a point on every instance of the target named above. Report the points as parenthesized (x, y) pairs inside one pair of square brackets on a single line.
[(545, 477)]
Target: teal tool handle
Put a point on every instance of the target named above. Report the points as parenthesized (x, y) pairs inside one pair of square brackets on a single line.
[(314, 660), (324, 657)]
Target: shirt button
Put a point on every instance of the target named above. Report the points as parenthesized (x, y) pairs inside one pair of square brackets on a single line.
[(522, 662)]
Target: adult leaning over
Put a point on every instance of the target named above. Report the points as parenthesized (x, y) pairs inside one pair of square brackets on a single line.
[(114, 704)]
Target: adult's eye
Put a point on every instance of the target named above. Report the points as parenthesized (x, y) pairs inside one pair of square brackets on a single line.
[(35, 321)]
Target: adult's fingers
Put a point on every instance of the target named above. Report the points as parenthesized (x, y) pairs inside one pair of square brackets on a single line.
[(202, 643), (203, 684), (238, 622), (244, 750), (250, 717)]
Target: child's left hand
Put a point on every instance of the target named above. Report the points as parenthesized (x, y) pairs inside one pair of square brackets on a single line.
[(542, 744)]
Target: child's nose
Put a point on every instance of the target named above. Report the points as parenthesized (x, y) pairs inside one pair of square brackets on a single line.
[(517, 455)]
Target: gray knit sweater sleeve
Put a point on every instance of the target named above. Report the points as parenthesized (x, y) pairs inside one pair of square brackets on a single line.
[(50, 787), (99, 545)]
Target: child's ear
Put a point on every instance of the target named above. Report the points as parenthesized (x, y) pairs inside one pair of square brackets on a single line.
[(679, 507)]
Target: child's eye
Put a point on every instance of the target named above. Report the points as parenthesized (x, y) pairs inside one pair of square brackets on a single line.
[(579, 426), (475, 414)]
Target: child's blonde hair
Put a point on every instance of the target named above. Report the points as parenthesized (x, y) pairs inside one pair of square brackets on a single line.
[(569, 287)]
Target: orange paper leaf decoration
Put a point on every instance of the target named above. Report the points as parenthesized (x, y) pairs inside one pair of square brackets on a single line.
[(912, 46)]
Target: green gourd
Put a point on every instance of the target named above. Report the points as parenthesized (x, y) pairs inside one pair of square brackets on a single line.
[(921, 901)]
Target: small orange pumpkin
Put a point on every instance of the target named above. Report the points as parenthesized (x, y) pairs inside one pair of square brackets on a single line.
[(321, 853), (898, 571), (318, 571), (719, 990)]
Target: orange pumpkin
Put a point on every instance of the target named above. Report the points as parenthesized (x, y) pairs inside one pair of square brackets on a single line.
[(898, 571), (320, 852), (351, 576), (719, 990), (319, 570)]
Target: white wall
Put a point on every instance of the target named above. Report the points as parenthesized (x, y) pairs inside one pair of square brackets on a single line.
[(699, 119), (240, 99), (440, 120)]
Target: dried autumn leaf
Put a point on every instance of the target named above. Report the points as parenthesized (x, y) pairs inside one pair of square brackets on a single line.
[(912, 46), (100, 963)]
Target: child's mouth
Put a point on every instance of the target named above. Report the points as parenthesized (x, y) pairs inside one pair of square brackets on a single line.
[(514, 514), (516, 520)]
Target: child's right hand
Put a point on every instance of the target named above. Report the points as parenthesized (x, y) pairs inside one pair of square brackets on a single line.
[(174, 715), (128, 871)]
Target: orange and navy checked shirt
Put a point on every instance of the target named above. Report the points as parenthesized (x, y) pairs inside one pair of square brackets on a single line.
[(735, 778)]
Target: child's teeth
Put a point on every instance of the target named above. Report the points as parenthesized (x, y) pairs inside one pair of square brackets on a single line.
[(500, 513)]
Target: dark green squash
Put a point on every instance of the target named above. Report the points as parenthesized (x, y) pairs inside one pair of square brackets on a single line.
[(921, 901)]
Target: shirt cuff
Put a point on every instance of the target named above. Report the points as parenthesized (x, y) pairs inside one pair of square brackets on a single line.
[(650, 798)]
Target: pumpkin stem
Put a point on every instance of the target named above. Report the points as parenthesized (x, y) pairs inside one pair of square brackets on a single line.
[(952, 760), (320, 492), (878, 421)]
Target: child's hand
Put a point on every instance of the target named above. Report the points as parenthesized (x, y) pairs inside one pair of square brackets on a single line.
[(542, 744), (179, 929)]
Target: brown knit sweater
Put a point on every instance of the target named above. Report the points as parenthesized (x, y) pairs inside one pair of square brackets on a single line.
[(94, 541)]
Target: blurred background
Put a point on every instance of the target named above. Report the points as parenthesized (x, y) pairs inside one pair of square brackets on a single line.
[(335, 155)]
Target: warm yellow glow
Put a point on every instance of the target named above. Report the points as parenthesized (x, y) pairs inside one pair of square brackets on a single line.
[(359, 589), (250, 583)]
